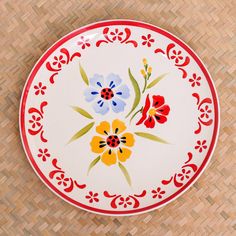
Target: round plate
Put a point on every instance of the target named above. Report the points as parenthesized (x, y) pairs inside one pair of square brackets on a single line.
[(119, 117)]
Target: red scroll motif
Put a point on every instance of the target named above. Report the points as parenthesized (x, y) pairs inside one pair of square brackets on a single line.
[(67, 183), (59, 61), (116, 35), (175, 55), (187, 170), (204, 117), (37, 116), (131, 200)]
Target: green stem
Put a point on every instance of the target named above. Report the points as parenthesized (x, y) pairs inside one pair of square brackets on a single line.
[(145, 82), (140, 110), (145, 85), (145, 67)]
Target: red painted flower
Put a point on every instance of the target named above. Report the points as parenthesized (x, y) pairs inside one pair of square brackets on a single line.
[(157, 112), (177, 56), (92, 197), (40, 89), (125, 201), (35, 121), (116, 35), (62, 180), (184, 174), (147, 40), (83, 42), (58, 61), (158, 193), (43, 154), (195, 80), (205, 112), (201, 145)]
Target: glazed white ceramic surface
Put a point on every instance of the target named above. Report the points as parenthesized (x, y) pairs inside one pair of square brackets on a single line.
[(156, 171)]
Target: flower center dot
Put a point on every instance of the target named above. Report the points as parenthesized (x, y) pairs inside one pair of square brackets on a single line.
[(107, 93), (113, 141), (152, 112)]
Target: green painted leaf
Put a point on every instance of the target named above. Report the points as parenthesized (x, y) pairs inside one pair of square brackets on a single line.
[(155, 81), (83, 75), (93, 163), (82, 132), (125, 173), (82, 112), (151, 137), (136, 91)]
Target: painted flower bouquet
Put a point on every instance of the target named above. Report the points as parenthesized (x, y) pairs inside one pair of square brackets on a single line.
[(113, 143)]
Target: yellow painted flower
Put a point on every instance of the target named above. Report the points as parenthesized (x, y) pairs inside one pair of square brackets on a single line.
[(144, 61), (143, 72), (150, 69), (113, 142)]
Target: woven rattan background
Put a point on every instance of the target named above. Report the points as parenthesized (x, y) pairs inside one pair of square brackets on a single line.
[(27, 29)]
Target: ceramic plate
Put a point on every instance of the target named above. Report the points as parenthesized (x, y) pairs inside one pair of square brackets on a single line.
[(119, 117)]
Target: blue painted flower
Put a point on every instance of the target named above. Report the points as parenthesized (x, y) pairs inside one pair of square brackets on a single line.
[(106, 93)]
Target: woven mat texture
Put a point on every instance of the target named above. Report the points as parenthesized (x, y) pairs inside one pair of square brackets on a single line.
[(27, 29)]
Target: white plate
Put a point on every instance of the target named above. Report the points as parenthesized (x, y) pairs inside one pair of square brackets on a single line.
[(119, 117)]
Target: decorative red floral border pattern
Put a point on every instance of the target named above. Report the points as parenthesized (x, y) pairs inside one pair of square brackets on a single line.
[(122, 37), (176, 56), (37, 127), (205, 112), (63, 59), (186, 169), (131, 200), (68, 183)]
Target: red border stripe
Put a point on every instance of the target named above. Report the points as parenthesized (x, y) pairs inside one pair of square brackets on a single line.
[(94, 26)]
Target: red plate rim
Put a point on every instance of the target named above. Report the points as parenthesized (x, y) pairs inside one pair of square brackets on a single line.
[(90, 27)]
